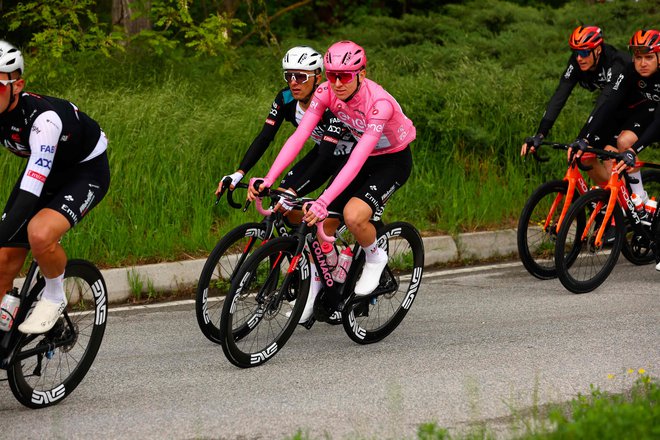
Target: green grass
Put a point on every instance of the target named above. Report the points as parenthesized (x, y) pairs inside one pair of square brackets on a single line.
[(633, 414), (474, 80)]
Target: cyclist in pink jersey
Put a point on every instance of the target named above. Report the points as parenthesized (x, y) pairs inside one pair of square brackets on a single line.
[(379, 164)]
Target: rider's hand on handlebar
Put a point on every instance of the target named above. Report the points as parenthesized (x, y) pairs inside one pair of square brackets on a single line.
[(531, 144), (256, 187), (235, 178), (314, 212), (285, 205), (627, 161), (577, 147)]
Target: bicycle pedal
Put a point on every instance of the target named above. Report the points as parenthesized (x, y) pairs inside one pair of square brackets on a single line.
[(308, 324)]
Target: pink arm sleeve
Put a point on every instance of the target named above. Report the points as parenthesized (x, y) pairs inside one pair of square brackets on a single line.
[(293, 145), (361, 152), (348, 172)]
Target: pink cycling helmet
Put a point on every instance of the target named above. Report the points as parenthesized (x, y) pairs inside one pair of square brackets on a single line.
[(344, 55)]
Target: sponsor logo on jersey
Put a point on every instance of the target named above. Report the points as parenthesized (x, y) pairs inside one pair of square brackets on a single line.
[(44, 163), (70, 213), (88, 201), (270, 121), (36, 176), (330, 139), (567, 75), (48, 149)]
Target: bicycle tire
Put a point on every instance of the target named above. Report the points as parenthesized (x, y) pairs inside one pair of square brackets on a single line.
[(536, 247), (637, 249), (374, 318), (63, 368), (593, 264), (215, 278), (264, 303)]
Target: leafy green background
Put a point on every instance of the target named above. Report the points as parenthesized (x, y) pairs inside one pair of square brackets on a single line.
[(473, 77)]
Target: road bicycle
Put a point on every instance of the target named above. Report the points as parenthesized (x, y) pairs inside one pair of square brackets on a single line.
[(587, 220), (270, 289), (544, 212), (43, 369), (225, 258), (542, 215)]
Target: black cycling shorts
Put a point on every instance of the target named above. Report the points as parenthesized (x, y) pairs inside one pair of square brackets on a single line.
[(72, 193), (312, 171), (636, 120), (378, 179)]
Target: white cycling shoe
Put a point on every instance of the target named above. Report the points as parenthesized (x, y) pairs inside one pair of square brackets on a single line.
[(308, 311), (370, 278), (43, 317), (657, 266)]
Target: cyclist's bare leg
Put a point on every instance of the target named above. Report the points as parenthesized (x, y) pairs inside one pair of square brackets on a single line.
[(626, 140), (357, 214), (44, 233), (598, 173), (294, 216), (11, 262)]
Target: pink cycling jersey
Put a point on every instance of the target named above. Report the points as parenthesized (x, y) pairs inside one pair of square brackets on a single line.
[(374, 117)]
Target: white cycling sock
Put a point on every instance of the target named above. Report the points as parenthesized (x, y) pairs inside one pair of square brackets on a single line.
[(54, 290), (638, 188), (374, 254), (316, 282)]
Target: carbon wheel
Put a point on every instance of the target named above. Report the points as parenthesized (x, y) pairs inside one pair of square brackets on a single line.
[(265, 302), (48, 367), (594, 260), (374, 317), (218, 272)]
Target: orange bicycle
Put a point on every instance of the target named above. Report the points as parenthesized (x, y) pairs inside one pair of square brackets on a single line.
[(583, 259), (542, 216), (546, 209)]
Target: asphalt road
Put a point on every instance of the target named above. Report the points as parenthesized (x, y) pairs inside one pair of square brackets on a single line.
[(477, 344)]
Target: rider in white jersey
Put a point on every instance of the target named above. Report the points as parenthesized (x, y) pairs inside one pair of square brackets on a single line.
[(66, 175)]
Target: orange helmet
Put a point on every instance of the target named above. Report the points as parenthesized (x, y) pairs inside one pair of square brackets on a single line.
[(645, 41), (586, 38)]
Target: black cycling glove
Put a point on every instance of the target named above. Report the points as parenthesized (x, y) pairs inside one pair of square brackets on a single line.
[(534, 141), (628, 157), (580, 144)]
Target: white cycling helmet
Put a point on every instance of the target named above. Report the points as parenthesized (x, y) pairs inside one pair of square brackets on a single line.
[(302, 58), (10, 58)]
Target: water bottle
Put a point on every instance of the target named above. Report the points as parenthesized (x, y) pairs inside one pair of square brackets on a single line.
[(343, 265), (651, 208), (330, 254), (9, 309), (639, 207)]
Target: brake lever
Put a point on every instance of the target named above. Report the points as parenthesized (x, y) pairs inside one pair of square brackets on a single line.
[(226, 182)]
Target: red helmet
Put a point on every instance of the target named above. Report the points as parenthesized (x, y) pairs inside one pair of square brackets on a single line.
[(344, 55), (645, 41), (586, 38)]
